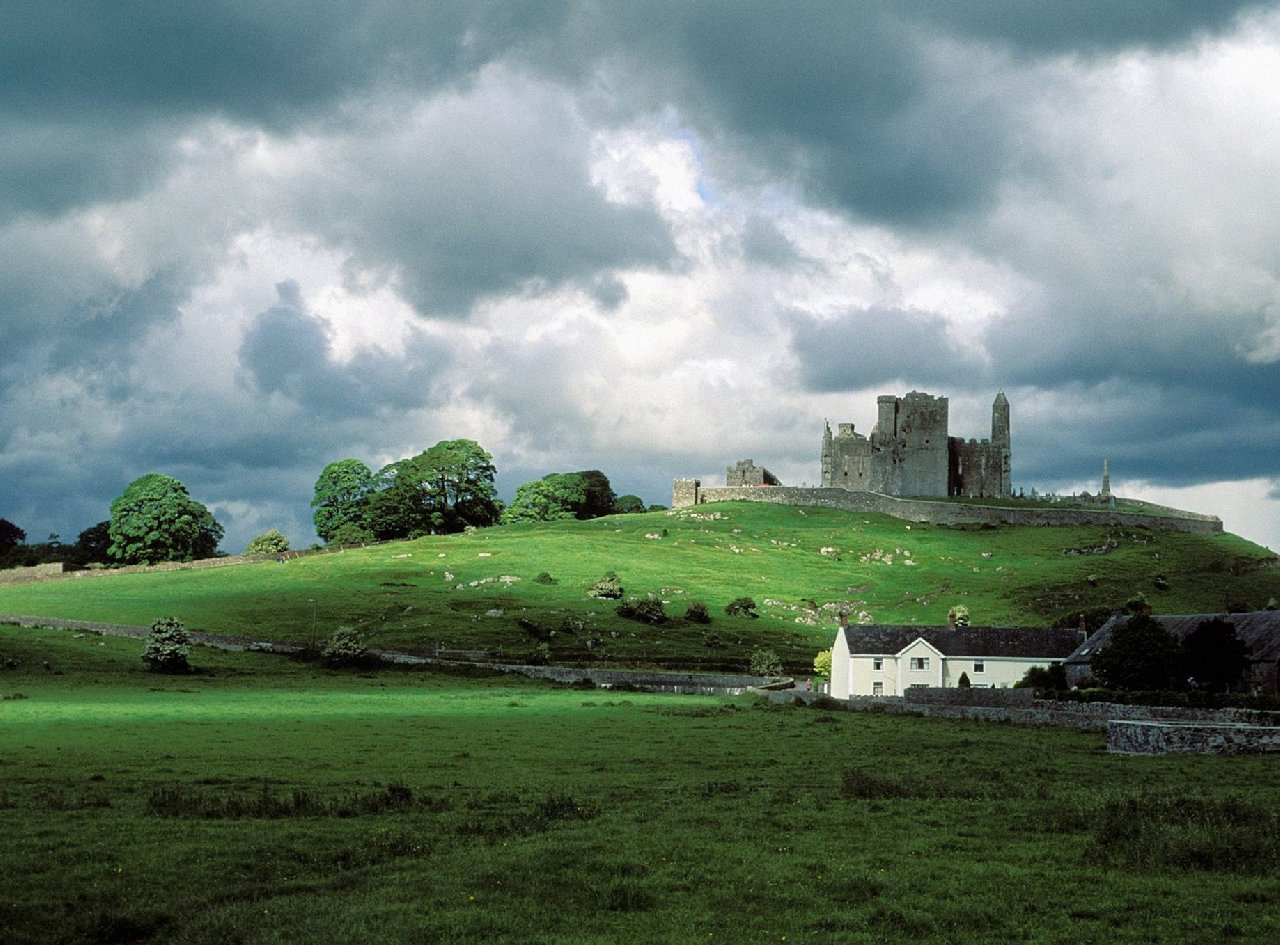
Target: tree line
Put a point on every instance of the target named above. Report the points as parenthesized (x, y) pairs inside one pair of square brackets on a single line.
[(444, 489)]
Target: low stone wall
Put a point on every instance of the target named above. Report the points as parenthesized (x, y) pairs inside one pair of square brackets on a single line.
[(39, 572), (943, 513), (992, 698), (1158, 738)]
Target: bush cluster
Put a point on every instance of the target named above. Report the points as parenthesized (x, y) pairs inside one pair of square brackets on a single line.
[(647, 609), (345, 648), (741, 607), (168, 644), (608, 587)]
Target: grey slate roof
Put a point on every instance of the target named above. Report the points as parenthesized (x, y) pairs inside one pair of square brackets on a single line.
[(1026, 642), (1259, 629)]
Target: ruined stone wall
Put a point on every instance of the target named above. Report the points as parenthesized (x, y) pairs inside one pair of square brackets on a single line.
[(909, 450), (979, 468), (846, 460), (943, 513)]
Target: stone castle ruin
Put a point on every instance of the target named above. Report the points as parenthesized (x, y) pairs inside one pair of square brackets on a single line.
[(910, 465), (910, 452)]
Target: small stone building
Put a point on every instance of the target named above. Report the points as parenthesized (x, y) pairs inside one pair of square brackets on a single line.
[(745, 472)]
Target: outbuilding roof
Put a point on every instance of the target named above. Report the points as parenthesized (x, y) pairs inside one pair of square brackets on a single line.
[(1026, 642), (1259, 629)]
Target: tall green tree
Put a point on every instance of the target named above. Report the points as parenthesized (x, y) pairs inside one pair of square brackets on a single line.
[(1141, 655), (11, 536), (341, 498), (1214, 656), (155, 519), (555, 496), (442, 490), (599, 498)]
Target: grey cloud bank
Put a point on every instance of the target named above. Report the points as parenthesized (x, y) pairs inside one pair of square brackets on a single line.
[(652, 238)]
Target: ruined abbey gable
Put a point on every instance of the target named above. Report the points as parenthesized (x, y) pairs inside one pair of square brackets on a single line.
[(910, 452)]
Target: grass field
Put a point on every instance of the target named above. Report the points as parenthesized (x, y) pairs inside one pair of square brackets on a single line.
[(262, 800), (480, 591)]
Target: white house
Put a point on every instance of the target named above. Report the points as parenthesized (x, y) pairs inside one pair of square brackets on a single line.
[(888, 660)]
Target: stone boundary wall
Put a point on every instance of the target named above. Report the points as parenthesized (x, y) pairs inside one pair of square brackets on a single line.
[(1086, 716), (993, 698), (601, 677), (946, 513), (1159, 738), (39, 572)]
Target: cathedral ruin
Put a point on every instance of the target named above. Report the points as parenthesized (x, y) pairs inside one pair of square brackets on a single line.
[(910, 452)]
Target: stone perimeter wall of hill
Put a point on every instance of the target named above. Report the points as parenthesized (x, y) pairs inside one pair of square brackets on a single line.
[(687, 493)]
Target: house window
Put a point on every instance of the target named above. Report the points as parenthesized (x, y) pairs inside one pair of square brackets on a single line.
[(919, 662), (877, 663), (979, 666), (877, 689)]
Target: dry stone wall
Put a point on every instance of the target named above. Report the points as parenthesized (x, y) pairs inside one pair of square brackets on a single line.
[(688, 492)]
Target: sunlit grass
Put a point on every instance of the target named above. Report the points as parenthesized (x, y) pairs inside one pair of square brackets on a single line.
[(262, 800), (477, 592)]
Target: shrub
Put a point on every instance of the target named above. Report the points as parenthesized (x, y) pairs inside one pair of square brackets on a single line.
[(1051, 679), (544, 578), (765, 662), (647, 609), (168, 644), (697, 612), (822, 663), (963, 681), (712, 641), (345, 648), (608, 587), (270, 542), (741, 607)]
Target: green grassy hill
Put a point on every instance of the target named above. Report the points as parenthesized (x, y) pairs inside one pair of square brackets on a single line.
[(481, 592)]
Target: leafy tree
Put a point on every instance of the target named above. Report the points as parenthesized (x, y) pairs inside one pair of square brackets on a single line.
[(11, 536), (555, 496), (628, 504), (1142, 655), (168, 644), (154, 519), (441, 490), (1053, 677), (1214, 656), (822, 663), (341, 497), (94, 543), (270, 542), (581, 495), (598, 498)]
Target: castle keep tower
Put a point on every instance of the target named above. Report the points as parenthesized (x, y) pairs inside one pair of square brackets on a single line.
[(910, 453)]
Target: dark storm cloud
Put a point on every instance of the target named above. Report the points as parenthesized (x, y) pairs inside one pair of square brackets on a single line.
[(90, 92), (865, 347), (287, 351), (487, 191)]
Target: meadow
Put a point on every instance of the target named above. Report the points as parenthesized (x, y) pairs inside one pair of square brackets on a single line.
[(263, 800), (509, 591)]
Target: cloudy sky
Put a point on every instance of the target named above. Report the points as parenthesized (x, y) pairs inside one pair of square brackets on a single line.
[(239, 240)]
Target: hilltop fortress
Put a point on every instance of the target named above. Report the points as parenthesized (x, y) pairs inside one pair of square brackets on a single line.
[(910, 465), (910, 453)]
